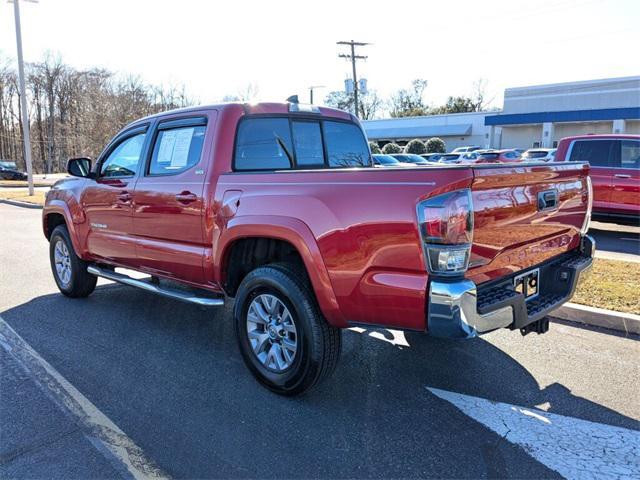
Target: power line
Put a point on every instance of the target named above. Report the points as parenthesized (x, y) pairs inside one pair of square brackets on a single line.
[(353, 57)]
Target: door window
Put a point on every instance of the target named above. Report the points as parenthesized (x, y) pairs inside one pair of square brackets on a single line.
[(176, 150), (123, 160), (596, 152), (630, 154)]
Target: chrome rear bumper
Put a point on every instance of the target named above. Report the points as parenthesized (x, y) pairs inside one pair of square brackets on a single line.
[(458, 309)]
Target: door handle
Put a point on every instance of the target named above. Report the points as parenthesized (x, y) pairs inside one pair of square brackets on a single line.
[(124, 197), (186, 197), (622, 175)]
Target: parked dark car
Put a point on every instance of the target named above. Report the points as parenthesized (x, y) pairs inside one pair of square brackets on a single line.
[(9, 171)]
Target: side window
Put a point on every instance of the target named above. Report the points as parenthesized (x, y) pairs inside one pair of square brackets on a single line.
[(176, 150), (307, 140), (346, 146), (263, 144), (123, 160), (630, 154), (596, 152)]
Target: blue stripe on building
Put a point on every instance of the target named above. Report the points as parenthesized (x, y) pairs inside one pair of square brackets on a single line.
[(567, 116)]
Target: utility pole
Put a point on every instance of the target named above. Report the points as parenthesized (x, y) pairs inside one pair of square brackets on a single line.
[(353, 57), (26, 137), (311, 89)]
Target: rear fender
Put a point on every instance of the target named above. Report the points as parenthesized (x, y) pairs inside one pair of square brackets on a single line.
[(298, 234)]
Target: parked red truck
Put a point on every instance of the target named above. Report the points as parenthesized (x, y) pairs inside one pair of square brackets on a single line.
[(615, 173), (278, 206)]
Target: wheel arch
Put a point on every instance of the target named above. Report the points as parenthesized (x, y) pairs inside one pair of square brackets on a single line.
[(289, 238), (57, 213)]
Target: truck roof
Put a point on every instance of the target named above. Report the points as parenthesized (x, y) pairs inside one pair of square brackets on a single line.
[(276, 108), (601, 136)]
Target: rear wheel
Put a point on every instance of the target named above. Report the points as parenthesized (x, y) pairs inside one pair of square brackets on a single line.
[(69, 270), (284, 339)]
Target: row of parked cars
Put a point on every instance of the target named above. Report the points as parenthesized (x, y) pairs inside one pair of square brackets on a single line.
[(466, 155)]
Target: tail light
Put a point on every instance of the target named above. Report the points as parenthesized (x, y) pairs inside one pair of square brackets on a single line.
[(446, 230), (587, 216)]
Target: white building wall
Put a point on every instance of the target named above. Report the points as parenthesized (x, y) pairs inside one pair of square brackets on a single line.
[(569, 129), (587, 95), (520, 136), (632, 127)]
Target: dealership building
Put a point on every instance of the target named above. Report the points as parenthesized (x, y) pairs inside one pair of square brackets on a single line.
[(536, 116)]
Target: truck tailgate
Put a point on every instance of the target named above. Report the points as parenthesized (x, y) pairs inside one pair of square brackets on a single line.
[(524, 215)]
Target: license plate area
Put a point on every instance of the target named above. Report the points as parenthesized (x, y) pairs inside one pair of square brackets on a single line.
[(528, 284)]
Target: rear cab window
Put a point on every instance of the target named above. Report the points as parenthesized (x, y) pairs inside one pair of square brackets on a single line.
[(282, 143)]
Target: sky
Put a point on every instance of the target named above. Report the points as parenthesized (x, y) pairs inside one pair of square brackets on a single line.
[(283, 47)]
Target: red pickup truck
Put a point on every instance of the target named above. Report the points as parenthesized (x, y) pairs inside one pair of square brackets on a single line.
[(615, 173), (279, 207)]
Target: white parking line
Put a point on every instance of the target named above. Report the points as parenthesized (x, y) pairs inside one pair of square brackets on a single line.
[(97, 427), (572, 447)]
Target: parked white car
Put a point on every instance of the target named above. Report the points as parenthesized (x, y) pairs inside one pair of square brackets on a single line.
[(539, 155), (471, 148)]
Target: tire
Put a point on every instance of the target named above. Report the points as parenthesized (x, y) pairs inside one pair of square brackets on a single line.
[(79, 282), (317, 343)]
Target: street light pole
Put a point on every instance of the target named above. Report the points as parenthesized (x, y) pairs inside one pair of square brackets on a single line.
[(311, 89), (23, 99)]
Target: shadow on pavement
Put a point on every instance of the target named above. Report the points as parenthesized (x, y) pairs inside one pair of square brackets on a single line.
[(170, 376)]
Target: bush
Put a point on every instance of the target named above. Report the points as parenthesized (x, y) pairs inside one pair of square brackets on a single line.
[(416, 146), (373, 146), (436, 145), (390, 148)]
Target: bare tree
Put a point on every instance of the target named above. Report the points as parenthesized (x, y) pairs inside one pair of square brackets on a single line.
[(479, 95), (248, 93), (74, 112)]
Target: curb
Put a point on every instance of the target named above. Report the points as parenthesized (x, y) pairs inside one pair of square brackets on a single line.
[(599, 317), (17, 203)]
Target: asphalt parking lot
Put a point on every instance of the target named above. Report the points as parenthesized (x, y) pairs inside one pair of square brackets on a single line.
[(169, 376)]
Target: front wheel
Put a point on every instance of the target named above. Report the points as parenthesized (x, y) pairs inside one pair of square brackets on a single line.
[(69, 270), (284, 339)]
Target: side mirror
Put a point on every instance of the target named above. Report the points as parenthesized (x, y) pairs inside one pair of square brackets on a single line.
[(79, 167)]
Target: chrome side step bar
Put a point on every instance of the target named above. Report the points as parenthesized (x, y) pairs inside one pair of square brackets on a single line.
[(153, 288)]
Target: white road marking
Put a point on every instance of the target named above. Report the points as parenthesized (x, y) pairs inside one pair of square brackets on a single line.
[(98, 428), (574, 448)]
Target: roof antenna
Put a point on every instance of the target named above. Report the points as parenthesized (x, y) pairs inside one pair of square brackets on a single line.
[(293, 99)]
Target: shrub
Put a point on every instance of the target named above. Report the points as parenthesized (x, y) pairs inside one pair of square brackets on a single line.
[(373, 146), (390, 148), (436, 145), (416, 146)]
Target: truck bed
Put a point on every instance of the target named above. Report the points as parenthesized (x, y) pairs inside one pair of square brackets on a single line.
[(365, 225)]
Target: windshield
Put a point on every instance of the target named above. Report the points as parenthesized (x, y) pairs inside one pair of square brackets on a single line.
[(410, 158), (449, 157), (5, 164), (489, 156), (385, 160), (534, 154)]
